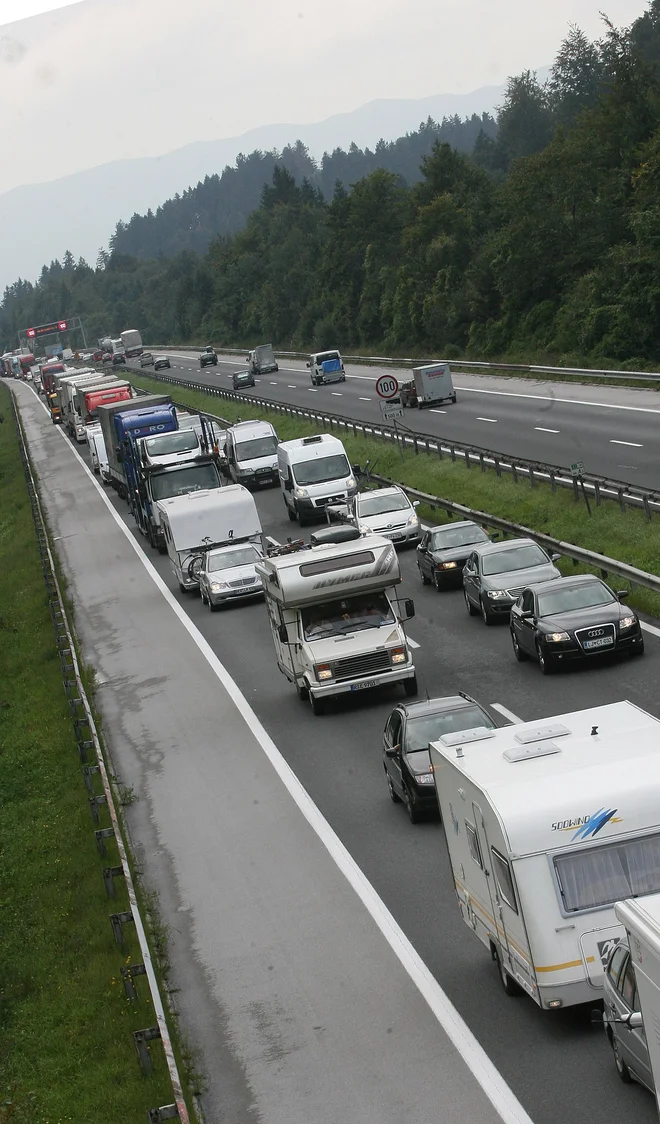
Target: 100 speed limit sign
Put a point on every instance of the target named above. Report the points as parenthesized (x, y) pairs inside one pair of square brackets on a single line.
[(387, 387)]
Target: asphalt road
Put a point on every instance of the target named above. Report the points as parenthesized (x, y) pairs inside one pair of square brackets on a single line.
[(615, 431), (558, 1064)]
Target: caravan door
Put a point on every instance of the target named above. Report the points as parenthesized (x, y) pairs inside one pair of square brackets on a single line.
[(505, 910)]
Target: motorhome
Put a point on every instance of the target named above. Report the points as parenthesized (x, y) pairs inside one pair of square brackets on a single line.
[(336, 619), (314, 472), (548, 824), (198, 522), (251, 452), (632, 1003)]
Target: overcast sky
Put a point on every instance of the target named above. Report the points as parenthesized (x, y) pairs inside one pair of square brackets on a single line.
[(100, 80)]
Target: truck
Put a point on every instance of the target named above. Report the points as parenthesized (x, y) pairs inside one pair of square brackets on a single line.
[(262, 359), (25, 363), (209, 520), (326, 366), (429, 386), (335, 617), (548, 825), (65, 386), (49, 372), (86, 399), (132, 342), (124, 421), (98, 455)]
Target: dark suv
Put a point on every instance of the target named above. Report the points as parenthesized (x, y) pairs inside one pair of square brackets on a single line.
[(208, 358)]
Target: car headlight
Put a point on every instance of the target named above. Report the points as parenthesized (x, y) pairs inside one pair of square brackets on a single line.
[(497, 594), (217, 586), (557, 637), (424, 778), (246, 471), (302, 493), (446, 565), (412, 521), (323, 671), (398, 655), (351, 482), (627, 622)]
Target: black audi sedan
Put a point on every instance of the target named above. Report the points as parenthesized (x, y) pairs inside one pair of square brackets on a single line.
[(406, 759), (442, 552), (570, 619)]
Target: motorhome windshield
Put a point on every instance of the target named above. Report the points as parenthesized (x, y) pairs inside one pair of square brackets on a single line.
[(602, 875), (380, 505), (180, 481), (259, 447), (352, 614), (321, 470), (176, 442)]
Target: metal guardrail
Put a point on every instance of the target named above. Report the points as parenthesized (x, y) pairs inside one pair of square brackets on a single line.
[(625, 494), (88, 741)]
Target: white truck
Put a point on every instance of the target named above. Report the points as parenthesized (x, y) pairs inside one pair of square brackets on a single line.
[(336, 620), (66, 385), (132, 342), (199, 522), (97, 452), (548, 824), (429, 386), (262, 359)]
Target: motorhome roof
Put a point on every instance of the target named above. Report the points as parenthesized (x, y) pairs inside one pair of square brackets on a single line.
[(309, 576), (563, 769)]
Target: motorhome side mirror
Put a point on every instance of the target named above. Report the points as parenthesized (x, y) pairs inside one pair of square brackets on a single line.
[(393, 751), (409, 606), (622, 594), (283, 634)]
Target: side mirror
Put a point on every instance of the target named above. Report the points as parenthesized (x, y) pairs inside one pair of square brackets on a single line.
[(307, 363), (527, 615), (416, 503), (393, 751), (283, 634), (409, 606), (555, 557), (288, 486), (495, 536), (622, 594)]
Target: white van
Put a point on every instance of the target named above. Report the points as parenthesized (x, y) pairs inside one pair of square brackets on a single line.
[(326, 366), (198, 522), (251, 452), (549, 824), (314, 472), (97, 451)]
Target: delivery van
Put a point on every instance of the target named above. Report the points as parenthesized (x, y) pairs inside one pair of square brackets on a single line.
[(314, 472)]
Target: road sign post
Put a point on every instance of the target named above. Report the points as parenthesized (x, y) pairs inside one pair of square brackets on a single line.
[(577, 472)]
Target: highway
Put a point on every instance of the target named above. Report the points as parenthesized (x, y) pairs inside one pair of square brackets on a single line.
[(615, 431), (557, 1064)]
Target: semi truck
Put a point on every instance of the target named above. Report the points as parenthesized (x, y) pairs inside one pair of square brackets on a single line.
[(131, 342), (87, 398), (148, 415)]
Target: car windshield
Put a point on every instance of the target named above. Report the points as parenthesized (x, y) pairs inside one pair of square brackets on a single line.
[(429, 727), (517, 558), (379, 505), (259, 447), (230, 559), (576, 597), (180, 481), (171, 443), (447, 537), (244, 376), (321, 469), (336, 618)]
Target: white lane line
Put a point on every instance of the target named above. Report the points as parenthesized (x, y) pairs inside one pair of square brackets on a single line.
[(542, 429), (364, 399), (504, 710), (413, 643), (633, 444), (552, 398), (291, 386), (273, 384), (475, 1057), (437, 411), (494, 420), (312, 390), (336, 393)]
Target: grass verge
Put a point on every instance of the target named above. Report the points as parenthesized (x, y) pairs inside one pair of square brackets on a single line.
[(626, 537), (66, 1049)]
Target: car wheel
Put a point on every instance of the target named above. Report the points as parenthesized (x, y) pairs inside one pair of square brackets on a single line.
[(410, 686), (302, 520), (621, 1067), (468, 604), (412, 808), (302, 692), (214, 608), (545, 662), (390, 788), (517, 650), (485, 615), (425, 580), (318, 705), (182, 587), (510, 986), (291, 514), (202, 595)]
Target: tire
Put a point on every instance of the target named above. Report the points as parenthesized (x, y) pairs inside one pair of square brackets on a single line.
[(162, 549), (302, 692), (414, 814), (545, 663), (510, 986), (202, 595), (468, 604), (317, 705), (410, 687), (517, 650), (425, 580), (485, 615), (276, 368), (453, 398), (290, 513), (621, 1067), (301, 518), (214, 608), (390, 788)]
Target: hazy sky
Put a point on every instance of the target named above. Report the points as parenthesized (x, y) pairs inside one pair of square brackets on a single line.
[(100, 80)]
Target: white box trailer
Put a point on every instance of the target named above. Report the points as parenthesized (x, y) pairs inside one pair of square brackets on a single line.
[(431, 384), (548, 824), (206, 520), (262, 359), (641, 920)]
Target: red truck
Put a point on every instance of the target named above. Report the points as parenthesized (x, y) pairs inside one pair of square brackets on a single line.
[(48, 373), (90, 399), (26, 362)]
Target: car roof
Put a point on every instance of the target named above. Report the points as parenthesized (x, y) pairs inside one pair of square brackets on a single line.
[(494, 547), (457, 523), (394, 490), (436, 706), (566, 583)]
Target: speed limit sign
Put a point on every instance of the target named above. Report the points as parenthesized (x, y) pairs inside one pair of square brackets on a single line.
[(387, 387)]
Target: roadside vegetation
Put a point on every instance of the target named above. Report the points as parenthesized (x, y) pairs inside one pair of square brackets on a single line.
[(627, 537), (66, 1048)]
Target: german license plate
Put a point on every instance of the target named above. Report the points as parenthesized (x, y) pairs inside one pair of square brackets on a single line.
[(602, 642), (363, 686)]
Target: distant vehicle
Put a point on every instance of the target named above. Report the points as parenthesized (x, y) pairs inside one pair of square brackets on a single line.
[(429, 386), (146, 359), (67, 354), (131, 342), (241, 379), (262, 359), (496, 573), (314, 472), (326, 366), (208, 358), (107, 357), (161, 361), (572, 619), (25, 362), (251, 451), (54, 408), (97, 355), (408, 731), (443, 551), (118, 358)]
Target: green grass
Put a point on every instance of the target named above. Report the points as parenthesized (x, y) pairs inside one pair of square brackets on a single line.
[(66, 1047), (626, 537)]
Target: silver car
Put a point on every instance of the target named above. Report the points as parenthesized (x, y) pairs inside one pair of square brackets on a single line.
[(496, 573), (623, 1021), (228, 574)]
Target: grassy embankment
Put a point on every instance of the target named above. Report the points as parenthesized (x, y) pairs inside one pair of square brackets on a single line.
[(626, 537), (66, 1048)]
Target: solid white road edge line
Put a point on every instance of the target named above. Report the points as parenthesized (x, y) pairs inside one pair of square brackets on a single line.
[(650, 628), (475, 1057), (503, 710)]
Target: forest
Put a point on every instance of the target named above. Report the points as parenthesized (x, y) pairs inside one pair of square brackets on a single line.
[(537, 239)]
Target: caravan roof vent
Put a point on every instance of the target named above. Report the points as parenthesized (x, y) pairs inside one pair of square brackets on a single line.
[(532, 749), (462, 737), (312, 440), (540, 733)]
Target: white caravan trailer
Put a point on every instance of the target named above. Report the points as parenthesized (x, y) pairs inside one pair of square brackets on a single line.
[(336, 620), (548, 824), (206, 520)]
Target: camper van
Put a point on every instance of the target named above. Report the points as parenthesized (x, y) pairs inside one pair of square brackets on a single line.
[(198, 522), (314, 472), (336, 620), (251, 452), (549, 824)]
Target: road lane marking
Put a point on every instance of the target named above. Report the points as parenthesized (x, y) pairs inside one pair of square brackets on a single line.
[(634, 444), (650, 628), (494, 420), (291, 386), (413, 643), (273, 384), (312, 389), (504, 710), (561, 401), (437, 411), (336, 393), (364, 399), (542, 429)]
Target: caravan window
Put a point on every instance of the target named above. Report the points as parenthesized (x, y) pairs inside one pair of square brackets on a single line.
[(502, 872), (473, 843), (602, 875)]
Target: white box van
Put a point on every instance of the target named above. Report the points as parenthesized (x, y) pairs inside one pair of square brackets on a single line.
[(251, 452), (97, 451), (326, 366), (549, 824), (314, 472)]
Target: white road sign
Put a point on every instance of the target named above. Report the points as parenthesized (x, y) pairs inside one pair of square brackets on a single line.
[(391, 409), (387, 386)]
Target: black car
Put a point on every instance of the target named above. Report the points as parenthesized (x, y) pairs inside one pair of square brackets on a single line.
[(408, 731), (118, 358), (442, 552), (208, 358), (242, 379), (161, 361), (570, 619)]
